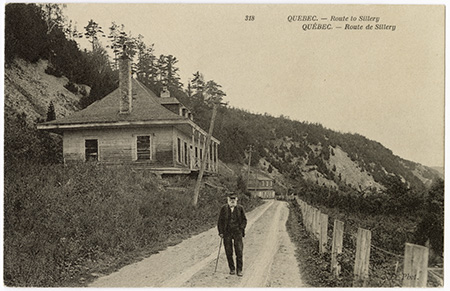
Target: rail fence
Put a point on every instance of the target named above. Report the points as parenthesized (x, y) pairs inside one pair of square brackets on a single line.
[(414, 261)]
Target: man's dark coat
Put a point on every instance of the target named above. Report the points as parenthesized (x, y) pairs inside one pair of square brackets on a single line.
[(225, 213)]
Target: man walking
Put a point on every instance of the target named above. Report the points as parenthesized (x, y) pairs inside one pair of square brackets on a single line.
[(231, 225)]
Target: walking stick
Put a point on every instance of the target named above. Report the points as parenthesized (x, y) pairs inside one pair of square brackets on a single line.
[(217, 260)]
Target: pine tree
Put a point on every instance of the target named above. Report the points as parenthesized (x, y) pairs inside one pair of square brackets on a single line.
[(51, 114), (93, 30)]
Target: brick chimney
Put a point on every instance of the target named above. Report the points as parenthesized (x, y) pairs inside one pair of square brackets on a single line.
[(126, 96), (165, 93)]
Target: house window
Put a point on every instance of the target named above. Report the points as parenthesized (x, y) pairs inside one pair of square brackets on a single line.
[(143, 147), (91, 149), (179, 150)]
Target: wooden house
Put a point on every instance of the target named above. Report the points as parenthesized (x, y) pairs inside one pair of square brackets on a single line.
[(132, 125), (260, 185)]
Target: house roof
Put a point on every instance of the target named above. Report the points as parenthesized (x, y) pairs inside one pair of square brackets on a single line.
[(147, 108), (162, 100), (169, 100)]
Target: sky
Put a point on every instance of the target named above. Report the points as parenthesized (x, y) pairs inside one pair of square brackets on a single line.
[(385, 84)]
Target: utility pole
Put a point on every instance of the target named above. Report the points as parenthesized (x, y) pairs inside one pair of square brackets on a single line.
[(249, 151), (205, 155)]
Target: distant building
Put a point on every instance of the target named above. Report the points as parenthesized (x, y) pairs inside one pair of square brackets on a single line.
[(133, 126), (260, 185)]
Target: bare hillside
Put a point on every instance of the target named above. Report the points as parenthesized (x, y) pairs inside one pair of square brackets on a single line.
[(29, 90)]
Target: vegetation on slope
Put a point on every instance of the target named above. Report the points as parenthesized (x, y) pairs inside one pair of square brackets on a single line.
[(62, 222)]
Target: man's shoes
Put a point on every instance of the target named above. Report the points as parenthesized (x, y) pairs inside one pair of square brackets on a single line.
[(232, 272), (239, 273)]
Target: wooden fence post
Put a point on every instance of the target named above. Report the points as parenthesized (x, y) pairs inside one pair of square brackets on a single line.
[(308, 218), (316, 223), (336, 248), (362, 257), (305, 217), (323, 237), (415, 270), (302, 207), (305, 222), (305, 213)]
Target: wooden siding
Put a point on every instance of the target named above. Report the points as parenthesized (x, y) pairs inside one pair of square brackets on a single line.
[(119, 145)]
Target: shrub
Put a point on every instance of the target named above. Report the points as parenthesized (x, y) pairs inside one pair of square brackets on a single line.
[(54, 72), (71, 87)]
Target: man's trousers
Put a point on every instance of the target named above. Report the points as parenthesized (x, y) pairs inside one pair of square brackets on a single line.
[(230, 239)]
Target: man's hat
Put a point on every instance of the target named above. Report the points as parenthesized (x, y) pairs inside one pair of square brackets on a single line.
[(232, 195)]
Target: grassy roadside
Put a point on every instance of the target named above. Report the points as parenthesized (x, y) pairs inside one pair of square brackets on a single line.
[(65, 225), (314, 267)]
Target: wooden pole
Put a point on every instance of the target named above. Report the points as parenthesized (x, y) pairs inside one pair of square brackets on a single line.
[(415, 270), (205, 156), (362, 257), (336, 248), (323, 238)]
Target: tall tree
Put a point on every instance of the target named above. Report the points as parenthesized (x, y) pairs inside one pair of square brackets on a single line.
[(145, 65), (162, 65), (53, 15), (213, 92), (93, 31), (172, 76), (198, 83), (121, 40)]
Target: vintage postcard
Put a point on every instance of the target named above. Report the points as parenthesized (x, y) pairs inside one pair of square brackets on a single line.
[(223, 145)]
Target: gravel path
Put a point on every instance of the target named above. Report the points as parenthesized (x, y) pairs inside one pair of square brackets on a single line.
[(269, 258)]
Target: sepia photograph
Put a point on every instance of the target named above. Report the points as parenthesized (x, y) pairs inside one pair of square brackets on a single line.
[(223, 145)]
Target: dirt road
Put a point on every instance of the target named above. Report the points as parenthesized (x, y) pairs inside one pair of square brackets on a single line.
[(269, 258)]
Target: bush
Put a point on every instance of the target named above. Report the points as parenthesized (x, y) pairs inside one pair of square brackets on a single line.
[(23, 143), (71, 87), (54, 72)]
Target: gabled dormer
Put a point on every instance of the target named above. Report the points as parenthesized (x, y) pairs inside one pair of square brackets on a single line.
[(173, 104)]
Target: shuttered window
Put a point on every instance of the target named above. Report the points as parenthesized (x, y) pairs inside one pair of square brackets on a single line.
[(91, 150), (143, 147)]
